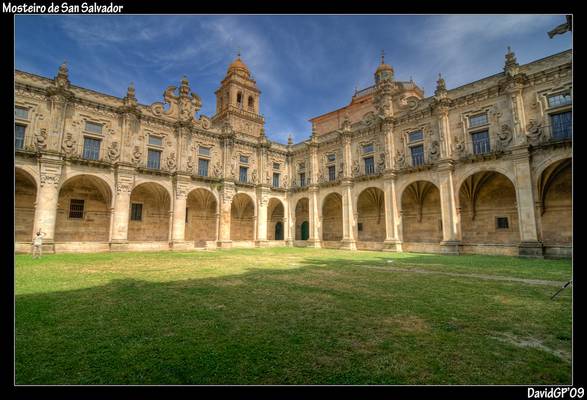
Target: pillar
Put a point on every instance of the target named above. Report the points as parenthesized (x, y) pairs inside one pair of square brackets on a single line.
[(529, 245), (46, 209), (119, 240), (181, 183), (262, 203), (314, 236), (450, 220), (392, 240), (224, 215), (348, 218)]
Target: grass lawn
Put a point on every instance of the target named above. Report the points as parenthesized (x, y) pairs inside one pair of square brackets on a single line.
[(291, 316)]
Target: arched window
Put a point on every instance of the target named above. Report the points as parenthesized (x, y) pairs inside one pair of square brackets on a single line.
[(251, 103), (239, 99)]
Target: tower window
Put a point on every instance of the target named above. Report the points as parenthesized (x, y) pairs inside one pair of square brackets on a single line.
[(239, 98), (251, 102)]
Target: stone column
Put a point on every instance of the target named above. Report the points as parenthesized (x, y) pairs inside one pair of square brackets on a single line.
[(119, 241), (392, 240), (46, 212), (450, 220), (348, 217), (529, 246), (314, 236), (262, 202), (287, 224), (180, 189), (224, 216)]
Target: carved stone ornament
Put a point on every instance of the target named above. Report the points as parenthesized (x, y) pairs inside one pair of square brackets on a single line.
[(400, 159), (285, 181), (368, 118), (205, 122), (41, 139), (68, 146), (190, 164), (217, 170), (356, 168), (534, 132), (113, 152), (434, 151), (125, 187), (254, 176), (182, 105), (381, 163), (505, 136), (170, 162), (341, 170), (459, 146), (321, 177), (136, 155), (50, 179)]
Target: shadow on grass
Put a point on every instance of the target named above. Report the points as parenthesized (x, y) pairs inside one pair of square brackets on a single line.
[(317, 324)]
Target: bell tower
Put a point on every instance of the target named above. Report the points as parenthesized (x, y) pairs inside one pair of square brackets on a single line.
[(237, 101)]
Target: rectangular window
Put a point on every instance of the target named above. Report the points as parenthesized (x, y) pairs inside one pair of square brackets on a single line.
[(243, 175), (360, 226), (478, 120), (93, 127), (244, 159), (417, 155), (276, 166), (276, 180), (203, 167), (204, 151), (501, 223), (155, 140), (480, 142), (21, 112), (416, 136), (91, 149), (332, 173), (302, 179), (369, 166), (559, 100), (331, 157), (562, 125), (153, 159), (76, 208), (136, 212), (368, 149), (19, 136)]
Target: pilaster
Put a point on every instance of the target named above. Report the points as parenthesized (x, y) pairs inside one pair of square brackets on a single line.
[(124, 186), (314, 237), (46, 211), (392, 240), (450, 219), (348, 217), (180, 189)]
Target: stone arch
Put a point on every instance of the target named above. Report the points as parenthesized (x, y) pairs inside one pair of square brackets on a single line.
[(83, 209), (302, 214), (275, 216), (332, 229), (371, 215), (486, 199), (153, 223), (242, 217), (201, 216), (421, 213), (104, 182), (25, 199), (555, 203), (466, 172)]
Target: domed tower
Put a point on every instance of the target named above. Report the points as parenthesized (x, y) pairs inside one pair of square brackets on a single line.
[(237, 100), (384, 71)]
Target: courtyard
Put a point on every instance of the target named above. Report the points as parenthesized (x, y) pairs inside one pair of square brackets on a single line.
[(291, 316)]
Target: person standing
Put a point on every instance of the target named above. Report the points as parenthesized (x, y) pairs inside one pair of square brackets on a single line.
[(38, 244)]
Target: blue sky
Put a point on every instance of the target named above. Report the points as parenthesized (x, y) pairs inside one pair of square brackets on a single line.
[(304, 66)]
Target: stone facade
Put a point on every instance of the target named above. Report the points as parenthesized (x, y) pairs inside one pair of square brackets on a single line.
[(482, 168)]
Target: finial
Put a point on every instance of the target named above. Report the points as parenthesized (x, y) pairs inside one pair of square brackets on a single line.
[(509, 49), (238, 54), (382, 56), (356, 90), (289, 139)]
